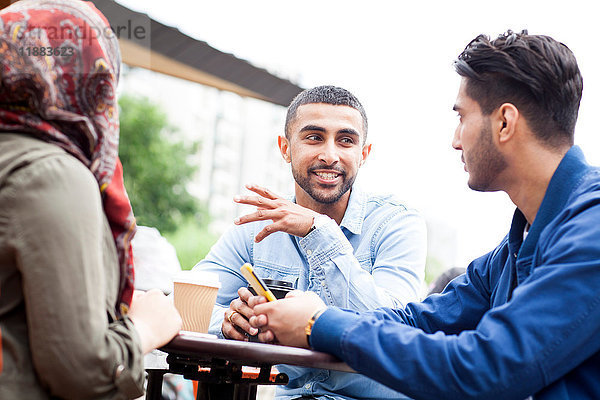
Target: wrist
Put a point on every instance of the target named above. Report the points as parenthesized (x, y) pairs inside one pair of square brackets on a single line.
[(311, 323), (318, 221), (147, 338)]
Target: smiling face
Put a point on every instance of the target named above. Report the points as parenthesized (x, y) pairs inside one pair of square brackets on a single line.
[(326, 149), (474, 137)]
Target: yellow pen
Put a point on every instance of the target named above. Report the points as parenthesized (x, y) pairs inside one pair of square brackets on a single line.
[(257, 284)]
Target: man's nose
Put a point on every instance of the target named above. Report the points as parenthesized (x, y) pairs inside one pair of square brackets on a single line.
[(456, 144), (329, 153)]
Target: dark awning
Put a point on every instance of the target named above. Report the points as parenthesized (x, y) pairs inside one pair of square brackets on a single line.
[(149, 44)]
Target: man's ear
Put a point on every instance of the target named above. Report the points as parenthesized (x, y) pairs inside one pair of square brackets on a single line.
[(284, 148), (366, 150), (506, 122)]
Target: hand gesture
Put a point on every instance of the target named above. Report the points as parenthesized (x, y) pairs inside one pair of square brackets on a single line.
[(235, 322), (287, 216)]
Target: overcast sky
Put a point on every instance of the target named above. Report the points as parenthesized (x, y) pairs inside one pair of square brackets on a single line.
[(397, 58)]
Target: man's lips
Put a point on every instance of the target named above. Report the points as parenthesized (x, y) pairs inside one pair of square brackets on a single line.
[(327, 176)]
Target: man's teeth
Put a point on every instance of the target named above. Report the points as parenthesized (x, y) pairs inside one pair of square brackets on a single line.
[(326, 175)]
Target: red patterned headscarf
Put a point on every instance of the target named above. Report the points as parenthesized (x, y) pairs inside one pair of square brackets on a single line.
[(60, 66)]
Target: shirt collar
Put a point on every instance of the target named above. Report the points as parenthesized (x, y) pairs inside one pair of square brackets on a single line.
[(355, 211), (354, 216), (566, 178)]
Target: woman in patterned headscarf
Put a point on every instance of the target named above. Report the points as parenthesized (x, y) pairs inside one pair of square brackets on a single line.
[(66, 273)]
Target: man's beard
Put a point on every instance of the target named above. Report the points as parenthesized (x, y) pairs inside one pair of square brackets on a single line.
[(312, 189), (485, 162)]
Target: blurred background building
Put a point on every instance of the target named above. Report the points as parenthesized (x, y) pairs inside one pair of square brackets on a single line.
[(234, 109)]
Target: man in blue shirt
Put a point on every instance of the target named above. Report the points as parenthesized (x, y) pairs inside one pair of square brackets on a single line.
[(525, 318), (353, 249)]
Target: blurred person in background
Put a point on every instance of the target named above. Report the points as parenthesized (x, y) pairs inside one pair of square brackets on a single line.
[(439, 283), (155, 260), (71, 325)]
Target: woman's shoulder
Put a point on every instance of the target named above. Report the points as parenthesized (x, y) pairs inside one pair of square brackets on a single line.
[(47, 195), (25, 160)]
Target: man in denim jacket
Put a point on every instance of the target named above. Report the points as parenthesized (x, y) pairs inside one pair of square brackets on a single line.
[(524, 321), (353, 249)]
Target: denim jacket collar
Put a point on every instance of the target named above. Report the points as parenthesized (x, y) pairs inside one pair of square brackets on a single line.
[(355, 211), (566, 178)]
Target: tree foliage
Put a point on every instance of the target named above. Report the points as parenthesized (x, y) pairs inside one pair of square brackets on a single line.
[(155, 166)]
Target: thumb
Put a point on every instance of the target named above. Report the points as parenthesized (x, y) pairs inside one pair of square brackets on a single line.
[(294, 293)]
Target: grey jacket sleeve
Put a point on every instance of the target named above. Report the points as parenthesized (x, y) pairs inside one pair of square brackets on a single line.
[(70, 274)]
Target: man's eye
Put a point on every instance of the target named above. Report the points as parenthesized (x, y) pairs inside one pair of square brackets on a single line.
[(347, 140), (313, 137)]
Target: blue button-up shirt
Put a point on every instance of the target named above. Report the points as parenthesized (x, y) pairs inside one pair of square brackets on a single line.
[(524, 320), (375, 257)]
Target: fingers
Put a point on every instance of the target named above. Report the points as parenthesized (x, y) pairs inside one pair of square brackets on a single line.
[(294, 293), (255, 300), (258, 321), (230, 331), (240, 322), (267, 337), (236, 326), (263, 192), (264, 335), (259, 215), (235, 322), (258, 201), (287, 216), (240, 305), (264, 308), (245, 294), (267, 230)]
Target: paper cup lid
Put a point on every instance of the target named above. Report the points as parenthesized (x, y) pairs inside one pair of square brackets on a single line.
[(204, 278)]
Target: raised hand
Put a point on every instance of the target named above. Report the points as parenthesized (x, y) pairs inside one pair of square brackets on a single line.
[(287, 216)]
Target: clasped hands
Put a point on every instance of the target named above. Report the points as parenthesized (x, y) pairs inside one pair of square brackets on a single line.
[(248, 313), (281, 321)]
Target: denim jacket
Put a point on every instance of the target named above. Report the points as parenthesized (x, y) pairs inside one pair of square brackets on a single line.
[(374, 258), (523, 321)]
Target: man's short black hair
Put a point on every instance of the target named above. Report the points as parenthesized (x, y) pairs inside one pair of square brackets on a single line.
[(327, 94), (535, 73)]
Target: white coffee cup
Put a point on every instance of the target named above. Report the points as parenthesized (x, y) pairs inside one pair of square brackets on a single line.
[(195, 293)]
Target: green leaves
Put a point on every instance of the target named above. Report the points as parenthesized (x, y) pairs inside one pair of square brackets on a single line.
[(155, 165)]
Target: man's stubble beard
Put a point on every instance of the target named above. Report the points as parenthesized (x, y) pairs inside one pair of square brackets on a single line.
[(485, 162), (304, 182)]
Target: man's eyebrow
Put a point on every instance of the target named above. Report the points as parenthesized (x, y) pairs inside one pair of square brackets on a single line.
[(312, 128), (348, 131), (343, 131)]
